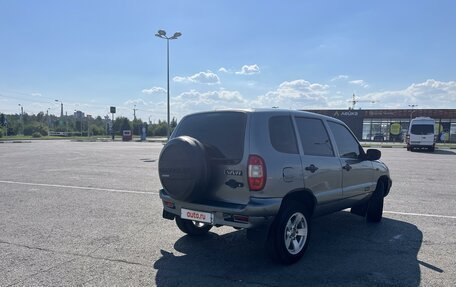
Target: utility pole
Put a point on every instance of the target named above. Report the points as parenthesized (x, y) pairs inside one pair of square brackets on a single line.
[(134, 113), (47, 117), (113, 111), (22, 118)]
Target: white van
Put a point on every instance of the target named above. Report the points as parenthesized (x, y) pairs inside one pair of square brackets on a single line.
[(421, 134)]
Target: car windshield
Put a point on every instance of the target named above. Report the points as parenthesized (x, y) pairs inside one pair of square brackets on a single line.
[(222, 133), (422, 129)]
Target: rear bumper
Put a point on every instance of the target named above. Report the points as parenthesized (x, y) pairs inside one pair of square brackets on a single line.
[(421, 144), (259, 211)]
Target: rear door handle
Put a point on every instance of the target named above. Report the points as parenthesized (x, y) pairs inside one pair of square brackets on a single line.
[(347, 167), (312, 168)]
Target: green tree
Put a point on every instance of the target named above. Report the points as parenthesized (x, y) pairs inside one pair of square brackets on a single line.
[(96, 130), (35, 127), (125, 125)]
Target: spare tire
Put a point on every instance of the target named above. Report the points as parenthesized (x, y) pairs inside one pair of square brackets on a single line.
[(184, 169)]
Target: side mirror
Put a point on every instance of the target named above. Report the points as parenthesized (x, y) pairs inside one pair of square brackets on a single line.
[(373, 154)]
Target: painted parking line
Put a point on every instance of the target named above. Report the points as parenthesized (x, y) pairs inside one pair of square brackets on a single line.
[(78, 187), (420, 214), (156, 193)]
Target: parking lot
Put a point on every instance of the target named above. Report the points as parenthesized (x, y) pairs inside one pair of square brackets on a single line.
[(88, 213)]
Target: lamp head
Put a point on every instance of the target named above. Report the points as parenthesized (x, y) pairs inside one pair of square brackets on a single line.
[(176, 35)]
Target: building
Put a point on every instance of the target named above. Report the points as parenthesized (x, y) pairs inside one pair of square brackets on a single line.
[(78, 114), (392, 125)]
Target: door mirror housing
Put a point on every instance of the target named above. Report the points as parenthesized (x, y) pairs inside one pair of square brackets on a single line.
[(373, 154)]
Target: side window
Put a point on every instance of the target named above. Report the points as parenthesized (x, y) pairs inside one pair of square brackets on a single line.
[(314, 137), (282, 135), (346, 143)]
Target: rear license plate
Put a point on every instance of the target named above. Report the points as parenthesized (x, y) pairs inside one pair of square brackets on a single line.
[(197, 215)]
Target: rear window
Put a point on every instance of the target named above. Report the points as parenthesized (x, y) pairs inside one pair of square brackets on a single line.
[(221, 133), (422, 129)]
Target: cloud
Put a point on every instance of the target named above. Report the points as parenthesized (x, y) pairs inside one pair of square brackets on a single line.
[(249, 70), (135, 102), (428, 94), (180, 79), (339, 77), (212, 96), (359, 83), (297, 94), (194, 101), (154, 91), (223, 70), (300, 94), (208, 78), (36, 94)]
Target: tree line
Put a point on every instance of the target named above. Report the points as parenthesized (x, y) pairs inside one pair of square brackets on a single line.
[(40, 124)]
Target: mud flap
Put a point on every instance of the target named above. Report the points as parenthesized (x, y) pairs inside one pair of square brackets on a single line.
[(260, 233), (168, 215)]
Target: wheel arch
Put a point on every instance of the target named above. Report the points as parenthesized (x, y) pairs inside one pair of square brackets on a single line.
[(303, 196), (386, 184)]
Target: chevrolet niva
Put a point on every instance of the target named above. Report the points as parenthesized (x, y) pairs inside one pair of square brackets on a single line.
[(269, 171)]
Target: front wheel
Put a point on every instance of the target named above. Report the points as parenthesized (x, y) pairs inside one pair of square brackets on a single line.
[(289, 235), (192, 227)]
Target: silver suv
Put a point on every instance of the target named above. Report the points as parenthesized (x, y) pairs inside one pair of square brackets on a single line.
[(269, 171)]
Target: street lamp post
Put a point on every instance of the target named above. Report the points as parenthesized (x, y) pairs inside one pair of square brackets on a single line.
[(22, 118), (411, 113), (162, 34), (74, 122), (48, 121)]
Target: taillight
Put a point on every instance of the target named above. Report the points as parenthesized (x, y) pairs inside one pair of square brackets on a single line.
[(256, 173), (169, 204)]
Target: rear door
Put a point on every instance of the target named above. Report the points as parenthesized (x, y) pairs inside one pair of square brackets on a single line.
[(273, 137), (223, 135), (322, 169), (357, 173), (422, 133)]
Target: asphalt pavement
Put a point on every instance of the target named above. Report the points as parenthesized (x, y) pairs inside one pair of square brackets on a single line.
[(88, 213)]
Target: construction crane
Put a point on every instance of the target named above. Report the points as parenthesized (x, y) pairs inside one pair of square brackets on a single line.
[(354, 101)]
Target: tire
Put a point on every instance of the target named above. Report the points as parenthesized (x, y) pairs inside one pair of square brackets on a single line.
[(432, 149), (290, 233), (184, 169), (193, 228), (375, 205)]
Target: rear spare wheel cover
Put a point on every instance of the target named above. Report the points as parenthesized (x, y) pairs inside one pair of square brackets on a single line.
[(183, 168)]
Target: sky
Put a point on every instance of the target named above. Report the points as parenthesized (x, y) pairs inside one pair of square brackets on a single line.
[(90, 55)]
